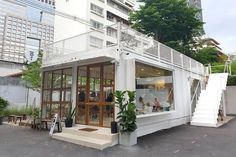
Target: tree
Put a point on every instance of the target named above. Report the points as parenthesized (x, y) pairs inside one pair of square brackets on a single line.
[(32, 73), (207, 55), (171, 22)]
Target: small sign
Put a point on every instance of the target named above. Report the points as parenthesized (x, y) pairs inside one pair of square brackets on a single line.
[(31, 55), (54, 121)]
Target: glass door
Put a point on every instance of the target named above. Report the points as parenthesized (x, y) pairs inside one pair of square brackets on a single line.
[(95, 95)]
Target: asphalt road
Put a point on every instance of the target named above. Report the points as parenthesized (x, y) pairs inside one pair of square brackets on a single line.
[(182, 141)]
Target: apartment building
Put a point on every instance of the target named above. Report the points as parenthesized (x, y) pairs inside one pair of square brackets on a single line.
[(197, 4), (84, 16), (25, 25)]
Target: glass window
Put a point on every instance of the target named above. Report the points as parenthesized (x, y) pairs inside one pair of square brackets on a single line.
[(67, 78), (47, 80), (154, 89), (96, 9), (112, 32), (57, 79), (96, 41), (96, 24)]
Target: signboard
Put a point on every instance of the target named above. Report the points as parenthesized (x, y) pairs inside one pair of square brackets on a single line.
[(54, 121), (31, 55)]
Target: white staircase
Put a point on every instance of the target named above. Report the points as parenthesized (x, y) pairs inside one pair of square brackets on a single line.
[(206, 111), (99, 139)]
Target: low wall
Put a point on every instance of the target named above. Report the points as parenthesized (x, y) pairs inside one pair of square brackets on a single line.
[(15, 91), (230, 98)]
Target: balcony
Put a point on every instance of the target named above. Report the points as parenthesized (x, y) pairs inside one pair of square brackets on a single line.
[(127, 39)]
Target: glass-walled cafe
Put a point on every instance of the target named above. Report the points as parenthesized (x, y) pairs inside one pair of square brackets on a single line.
[(95, 87)]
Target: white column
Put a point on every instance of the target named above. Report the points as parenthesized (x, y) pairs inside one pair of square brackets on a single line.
[(124, 77)]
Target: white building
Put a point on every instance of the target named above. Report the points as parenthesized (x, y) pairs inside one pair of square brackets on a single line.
[(135, 62), (77, 17), (25, 25)]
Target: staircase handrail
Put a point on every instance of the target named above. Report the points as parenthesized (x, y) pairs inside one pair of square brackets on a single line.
[(194, 96), (195, 93)]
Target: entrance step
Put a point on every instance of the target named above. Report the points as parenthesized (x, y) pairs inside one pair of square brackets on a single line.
[(99, 138), (100, 133), (83, 140)]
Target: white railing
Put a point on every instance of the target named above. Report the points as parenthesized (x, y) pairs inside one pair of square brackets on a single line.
[(126, 38), (133, 40)]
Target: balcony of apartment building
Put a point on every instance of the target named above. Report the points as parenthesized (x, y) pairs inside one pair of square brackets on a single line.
[(119, 9), (112, 18)]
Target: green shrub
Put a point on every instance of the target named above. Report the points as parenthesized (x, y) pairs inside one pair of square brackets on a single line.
[(231, 81), (30, 111), (3, 105)]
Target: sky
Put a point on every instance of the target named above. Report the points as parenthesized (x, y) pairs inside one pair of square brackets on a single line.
[(220, 19)]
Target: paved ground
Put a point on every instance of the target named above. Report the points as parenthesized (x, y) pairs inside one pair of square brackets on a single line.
[(182, 141)]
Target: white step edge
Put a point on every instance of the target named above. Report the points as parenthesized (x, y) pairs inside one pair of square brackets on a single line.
[(83, 141)]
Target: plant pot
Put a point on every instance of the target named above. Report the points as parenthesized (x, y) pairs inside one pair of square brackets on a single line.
[(1, 120), (114, 127), (68, 123), (128, 139)]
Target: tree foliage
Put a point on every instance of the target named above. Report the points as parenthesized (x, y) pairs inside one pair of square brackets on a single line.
[(172, 22), (32, 74), (207, 55)]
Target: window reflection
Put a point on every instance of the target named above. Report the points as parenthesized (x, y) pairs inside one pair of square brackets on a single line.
[(154, 89)]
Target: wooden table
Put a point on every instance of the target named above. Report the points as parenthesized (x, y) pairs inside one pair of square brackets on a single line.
[(14, 118)]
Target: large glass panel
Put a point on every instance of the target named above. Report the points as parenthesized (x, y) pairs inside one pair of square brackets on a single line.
[(47, 80), (94, 86), (108, 75), (67, 78), (81, 113), (56, 95), (64, 109), (66, 95), (94, 114), (108, 115), (81, 95), (82, 76), (54, 110), (154, 89), (57, 79), (108, 94), (46, 95)]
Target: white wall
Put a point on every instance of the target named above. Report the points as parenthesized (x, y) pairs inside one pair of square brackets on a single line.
[(157, 121), (65, 27), (14, 90), (230, 100)]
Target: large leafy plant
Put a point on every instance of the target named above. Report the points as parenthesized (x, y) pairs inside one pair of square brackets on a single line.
[(127, 114), (3, 105), (71, 112)]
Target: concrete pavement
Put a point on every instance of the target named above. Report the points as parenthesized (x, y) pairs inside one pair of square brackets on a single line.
[(182, 141)]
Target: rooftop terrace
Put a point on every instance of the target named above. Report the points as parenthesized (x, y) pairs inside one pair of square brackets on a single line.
[(83, 46)]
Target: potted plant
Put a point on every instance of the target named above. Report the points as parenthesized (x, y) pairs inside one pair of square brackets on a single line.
[(126, 117), (69, 116), (3, 105)]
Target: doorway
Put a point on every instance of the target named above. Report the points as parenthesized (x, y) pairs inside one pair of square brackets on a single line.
[(95, 95)]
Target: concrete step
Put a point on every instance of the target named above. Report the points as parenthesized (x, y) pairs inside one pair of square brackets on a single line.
[(196, 123), (99, 134), (204, 119), (83, 140)]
